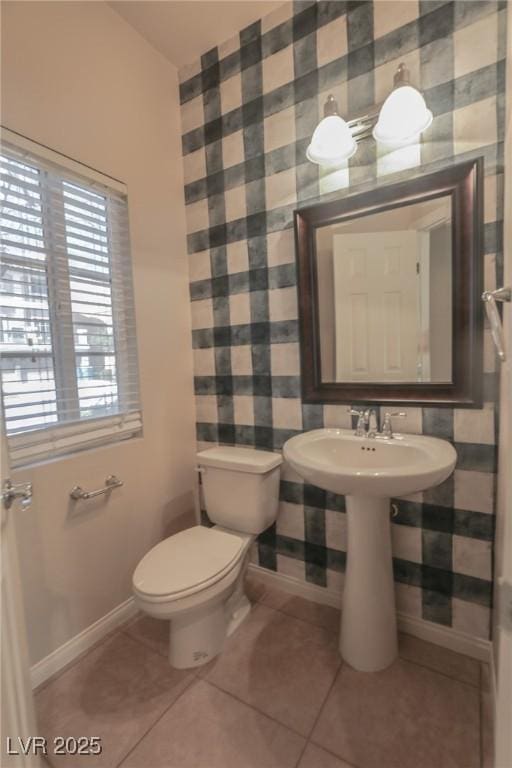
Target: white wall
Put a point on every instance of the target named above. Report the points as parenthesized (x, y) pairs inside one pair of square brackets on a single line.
[(79, 79), (503, 538)]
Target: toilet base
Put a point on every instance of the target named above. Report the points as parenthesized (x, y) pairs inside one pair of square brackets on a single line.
[(196, 637), (238, 614), (195, 640)]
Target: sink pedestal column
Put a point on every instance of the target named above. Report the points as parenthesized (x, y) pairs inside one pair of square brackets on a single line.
[(368, 640)]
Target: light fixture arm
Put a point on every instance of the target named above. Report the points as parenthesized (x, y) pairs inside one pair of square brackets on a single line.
[(331, 106), (361, 127), (401, 76)]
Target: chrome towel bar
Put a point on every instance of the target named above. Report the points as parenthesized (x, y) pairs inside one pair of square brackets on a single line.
[(490, 298), (77, 493)]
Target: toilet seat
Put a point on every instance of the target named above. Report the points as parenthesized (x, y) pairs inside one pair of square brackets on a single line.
[(186, 563)]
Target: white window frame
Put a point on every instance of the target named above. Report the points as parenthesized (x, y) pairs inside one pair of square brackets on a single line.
[(73, 434)]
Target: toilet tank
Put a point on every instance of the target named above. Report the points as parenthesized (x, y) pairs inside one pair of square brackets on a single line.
[(241, 487)]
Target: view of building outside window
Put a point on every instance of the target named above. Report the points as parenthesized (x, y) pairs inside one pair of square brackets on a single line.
[(57, 340)]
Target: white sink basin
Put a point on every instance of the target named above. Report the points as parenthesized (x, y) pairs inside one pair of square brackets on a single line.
[(368, 471), (338, 461)]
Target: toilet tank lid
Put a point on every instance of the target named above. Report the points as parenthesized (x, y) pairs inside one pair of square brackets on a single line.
[(239, 459)]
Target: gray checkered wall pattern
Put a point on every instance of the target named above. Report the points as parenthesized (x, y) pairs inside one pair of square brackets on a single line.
[(249, 108)]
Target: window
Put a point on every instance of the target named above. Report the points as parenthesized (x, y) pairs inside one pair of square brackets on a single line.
[(67, 322)]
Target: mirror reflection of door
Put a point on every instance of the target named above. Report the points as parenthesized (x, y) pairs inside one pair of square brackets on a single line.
[(385, 295), (377, 305)]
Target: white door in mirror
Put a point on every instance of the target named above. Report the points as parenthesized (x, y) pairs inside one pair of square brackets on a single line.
[(377, 305)]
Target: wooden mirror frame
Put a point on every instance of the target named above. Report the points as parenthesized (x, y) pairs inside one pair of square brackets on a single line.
[(463, 182)]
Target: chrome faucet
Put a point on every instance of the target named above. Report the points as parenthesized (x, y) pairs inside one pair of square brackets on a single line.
[(366, 422)]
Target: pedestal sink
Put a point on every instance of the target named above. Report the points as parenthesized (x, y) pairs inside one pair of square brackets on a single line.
[(368, 471)]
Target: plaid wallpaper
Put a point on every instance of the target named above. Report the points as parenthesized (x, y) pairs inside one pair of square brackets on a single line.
[(249, 108)]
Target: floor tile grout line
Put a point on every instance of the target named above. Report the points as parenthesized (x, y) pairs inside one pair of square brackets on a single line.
[(191, 682), (320, 710), (308, 739), (121, 631), (340, 757), (241, 701), (333, 754), (145, 644), (150, 650), (322, 705), (437, 672), (305, 599), (297, 618), (254, 707), (446, 676)]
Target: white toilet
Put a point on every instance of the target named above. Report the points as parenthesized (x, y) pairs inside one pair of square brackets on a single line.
[(195, 578)]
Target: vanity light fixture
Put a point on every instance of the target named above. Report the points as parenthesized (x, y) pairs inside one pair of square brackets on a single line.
[(400, 120), (332, 142), (404, 115)]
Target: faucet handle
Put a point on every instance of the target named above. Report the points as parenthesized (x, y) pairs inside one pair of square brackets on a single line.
[(387, 427), (361, 420)]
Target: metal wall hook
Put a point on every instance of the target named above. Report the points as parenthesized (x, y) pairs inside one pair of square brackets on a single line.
[(12, 491)]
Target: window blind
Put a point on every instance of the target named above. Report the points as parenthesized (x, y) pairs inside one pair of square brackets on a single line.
[(68, 350)]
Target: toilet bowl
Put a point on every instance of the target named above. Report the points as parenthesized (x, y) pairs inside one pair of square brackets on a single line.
[(191, 579), (195, 578)]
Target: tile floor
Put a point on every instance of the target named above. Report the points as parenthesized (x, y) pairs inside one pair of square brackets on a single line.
[(278, 697)]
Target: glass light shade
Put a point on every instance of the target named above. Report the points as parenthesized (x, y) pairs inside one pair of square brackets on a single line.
[(332, 142), (403, 116)]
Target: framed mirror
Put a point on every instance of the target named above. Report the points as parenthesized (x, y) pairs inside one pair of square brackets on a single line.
[(389, 292)]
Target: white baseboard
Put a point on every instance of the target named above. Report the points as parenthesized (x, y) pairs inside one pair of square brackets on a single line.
[(296, 587), (425, 630), (62, 656), (411, 625), (446, 637)]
